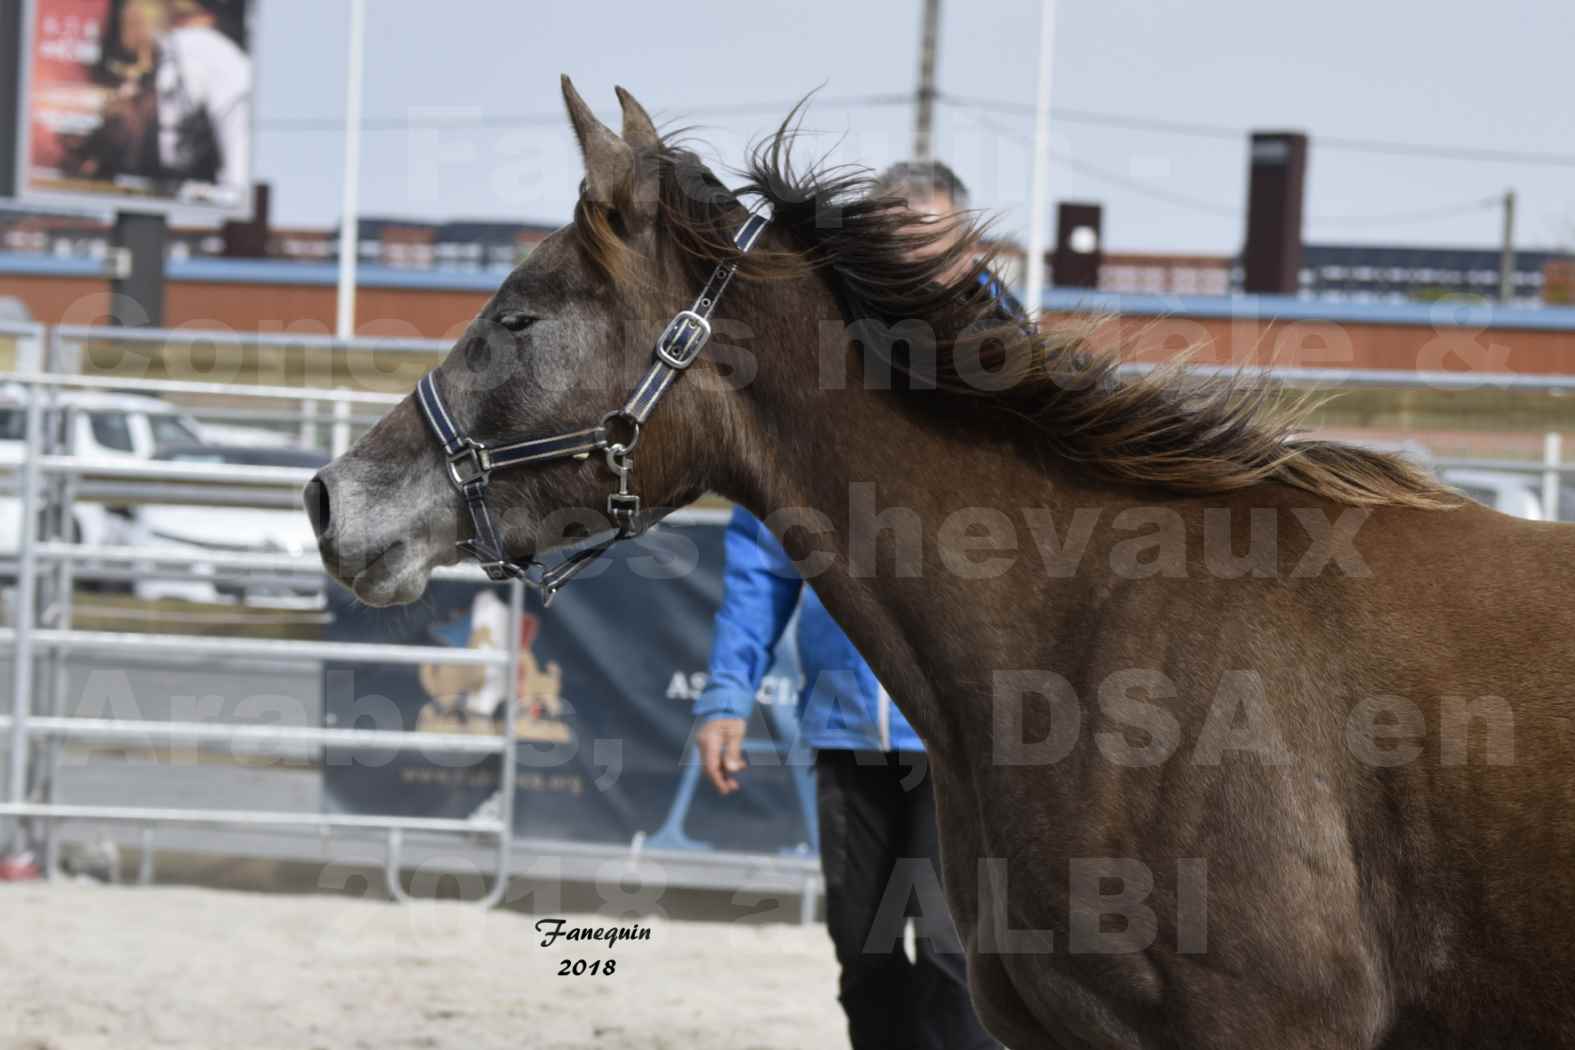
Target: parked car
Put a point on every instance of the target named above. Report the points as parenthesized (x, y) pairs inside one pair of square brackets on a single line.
[(191, 532), (103, 426)]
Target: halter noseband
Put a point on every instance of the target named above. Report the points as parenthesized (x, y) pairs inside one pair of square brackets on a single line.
[(471, 462)]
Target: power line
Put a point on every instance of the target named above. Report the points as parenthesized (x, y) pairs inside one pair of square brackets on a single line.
[(1234, 211), (1130, 122), (981, 106), (1139, 186), (1094, 171), (1472, 153), (1419, 215), (457, 118), (1063, 114), (1236, 134), (1237, 211)]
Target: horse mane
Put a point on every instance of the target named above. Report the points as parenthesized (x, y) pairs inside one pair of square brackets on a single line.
[(1170, 427)]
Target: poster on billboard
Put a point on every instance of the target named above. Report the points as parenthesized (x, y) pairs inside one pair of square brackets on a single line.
[(143, 105)]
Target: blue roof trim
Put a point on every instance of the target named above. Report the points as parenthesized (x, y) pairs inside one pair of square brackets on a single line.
[(278, 271), (1292, 308), (22, 265), (1057, 300), (265, 271)]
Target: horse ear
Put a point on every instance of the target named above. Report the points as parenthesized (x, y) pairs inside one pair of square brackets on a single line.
[(640, 134), (638, 129), (609, 162)]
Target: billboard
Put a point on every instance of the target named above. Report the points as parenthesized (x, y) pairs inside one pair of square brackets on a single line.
[(607, 681), (141, 104)]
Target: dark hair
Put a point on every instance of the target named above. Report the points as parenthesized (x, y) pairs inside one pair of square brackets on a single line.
[(910, 179)]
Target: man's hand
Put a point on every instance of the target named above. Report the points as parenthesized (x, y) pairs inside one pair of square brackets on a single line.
[(721, 744)]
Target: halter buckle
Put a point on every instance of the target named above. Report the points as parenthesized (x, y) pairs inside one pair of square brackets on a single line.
[(686, 354), (473, 456)]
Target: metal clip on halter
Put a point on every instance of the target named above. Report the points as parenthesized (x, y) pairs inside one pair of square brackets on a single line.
[(623, 506), (470, 463)]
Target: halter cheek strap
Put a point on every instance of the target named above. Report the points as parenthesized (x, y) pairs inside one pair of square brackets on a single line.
[(470, 463)]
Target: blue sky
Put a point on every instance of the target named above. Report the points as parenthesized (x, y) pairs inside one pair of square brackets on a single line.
[(465, 117)]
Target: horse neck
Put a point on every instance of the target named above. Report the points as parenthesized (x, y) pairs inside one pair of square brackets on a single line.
[(855, 479)]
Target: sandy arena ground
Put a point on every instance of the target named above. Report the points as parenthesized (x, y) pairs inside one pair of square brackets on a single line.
[(86, 967)]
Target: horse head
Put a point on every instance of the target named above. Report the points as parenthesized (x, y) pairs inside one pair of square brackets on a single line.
[(546, 368)]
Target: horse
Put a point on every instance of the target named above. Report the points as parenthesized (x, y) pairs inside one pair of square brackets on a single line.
[(1239, 738)]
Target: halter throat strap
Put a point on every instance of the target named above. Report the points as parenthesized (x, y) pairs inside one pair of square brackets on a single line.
[(470, 463)]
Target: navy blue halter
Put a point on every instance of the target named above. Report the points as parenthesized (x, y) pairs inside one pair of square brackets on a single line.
[(470, 463)]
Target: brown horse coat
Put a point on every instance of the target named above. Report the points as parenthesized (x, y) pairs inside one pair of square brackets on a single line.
[(1238, 740)]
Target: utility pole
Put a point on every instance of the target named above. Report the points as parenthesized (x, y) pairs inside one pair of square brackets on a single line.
[(1506, 262), (11, 44), (924, 98), (1039, 192), (350, 205)]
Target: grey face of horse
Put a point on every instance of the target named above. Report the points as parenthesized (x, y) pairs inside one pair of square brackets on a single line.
[(548, 354)]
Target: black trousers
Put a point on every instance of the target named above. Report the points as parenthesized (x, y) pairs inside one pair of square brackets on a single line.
[(880, 851)]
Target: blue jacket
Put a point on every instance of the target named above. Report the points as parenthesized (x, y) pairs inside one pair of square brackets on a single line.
[(841, 704)]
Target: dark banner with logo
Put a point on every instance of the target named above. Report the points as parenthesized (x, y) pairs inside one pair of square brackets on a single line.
[(608, 677)]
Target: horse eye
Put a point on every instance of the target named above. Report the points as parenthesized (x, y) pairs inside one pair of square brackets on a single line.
[(516, 322)]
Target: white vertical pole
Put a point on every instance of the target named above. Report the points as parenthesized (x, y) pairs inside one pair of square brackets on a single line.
[(1552, 455), (349, 224), (307, 437), (28, 502), (1039, 192), (339, 442)]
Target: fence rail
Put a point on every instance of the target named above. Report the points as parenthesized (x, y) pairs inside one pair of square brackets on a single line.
[(116, 729), (191, 386), (251, 818), (49, 481), (209, 337), (257, 648)]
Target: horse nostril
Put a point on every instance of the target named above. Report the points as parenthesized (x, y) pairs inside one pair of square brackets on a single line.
[(316, 499)]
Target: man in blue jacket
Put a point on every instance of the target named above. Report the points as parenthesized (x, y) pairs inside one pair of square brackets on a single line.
[(876, 807)]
